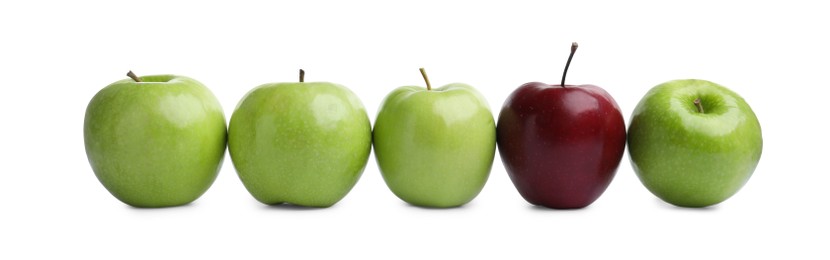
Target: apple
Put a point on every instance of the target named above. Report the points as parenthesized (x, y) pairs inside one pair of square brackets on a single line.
[(300, 143), (155, 141), (561, 144), (435, 147), (694, 143)]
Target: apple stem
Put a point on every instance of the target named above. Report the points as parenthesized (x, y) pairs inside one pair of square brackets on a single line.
[(568, 64), (133, 76), (302, 75), (699, 105), (426, 79)]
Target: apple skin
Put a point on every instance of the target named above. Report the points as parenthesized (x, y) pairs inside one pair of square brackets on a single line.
[(156, 143), (303, 143), (693, 159), (435, 148), (561, 146)]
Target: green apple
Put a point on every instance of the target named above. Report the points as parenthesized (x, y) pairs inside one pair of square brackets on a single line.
[(435, 147), (302, 143), (693, 143), (155, 141)]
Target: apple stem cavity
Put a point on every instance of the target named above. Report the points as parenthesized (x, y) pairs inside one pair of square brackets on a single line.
[(133, 76), (699, 106), (302, 75), (426, 79), (568, 64)]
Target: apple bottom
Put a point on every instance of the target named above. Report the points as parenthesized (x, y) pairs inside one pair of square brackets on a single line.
[(561, 188)]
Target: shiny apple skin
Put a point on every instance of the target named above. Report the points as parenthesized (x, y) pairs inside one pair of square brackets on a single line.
[(561, 146)]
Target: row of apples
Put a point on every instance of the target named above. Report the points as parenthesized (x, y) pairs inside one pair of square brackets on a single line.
[(159, 141)]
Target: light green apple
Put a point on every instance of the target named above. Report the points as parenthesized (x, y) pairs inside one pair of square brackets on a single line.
[(302, 143), (694, 143), (155, 141), (435, 147)]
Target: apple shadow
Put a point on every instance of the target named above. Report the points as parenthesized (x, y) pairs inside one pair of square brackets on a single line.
[(434, 208), (543, 208), (167, 208), (670, 206), (292, 207)]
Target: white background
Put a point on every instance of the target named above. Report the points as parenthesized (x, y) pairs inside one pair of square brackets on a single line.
[(54, 56)]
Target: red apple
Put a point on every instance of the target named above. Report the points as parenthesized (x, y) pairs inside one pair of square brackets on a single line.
[(561, 144)]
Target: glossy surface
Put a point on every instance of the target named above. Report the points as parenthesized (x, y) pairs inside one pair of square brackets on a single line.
[(688, 158), (561, 146), (155, 143), (435, 148), (300, 143)]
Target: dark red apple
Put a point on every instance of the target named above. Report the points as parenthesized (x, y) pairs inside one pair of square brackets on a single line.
[(561, 144)]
